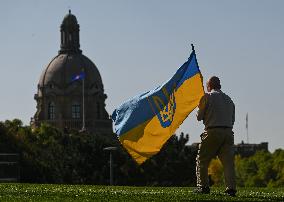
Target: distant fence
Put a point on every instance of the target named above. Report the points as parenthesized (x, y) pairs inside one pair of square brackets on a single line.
[(9, 167)]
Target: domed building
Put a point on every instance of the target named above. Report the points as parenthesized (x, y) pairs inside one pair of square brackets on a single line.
[(70, 92)]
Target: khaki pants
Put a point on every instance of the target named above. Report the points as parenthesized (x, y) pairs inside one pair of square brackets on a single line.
[(216, 142)]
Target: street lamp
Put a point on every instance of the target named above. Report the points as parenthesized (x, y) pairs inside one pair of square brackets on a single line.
[(110, 149)]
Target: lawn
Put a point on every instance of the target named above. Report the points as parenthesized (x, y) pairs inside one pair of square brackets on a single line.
[(50, 192)]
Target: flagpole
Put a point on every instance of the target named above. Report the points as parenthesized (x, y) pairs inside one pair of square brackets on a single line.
[(83, 92), (247, 128)]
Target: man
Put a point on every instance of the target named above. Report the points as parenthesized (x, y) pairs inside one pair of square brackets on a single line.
[(217, 111)]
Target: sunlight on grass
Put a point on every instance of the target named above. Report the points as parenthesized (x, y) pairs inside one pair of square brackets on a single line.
[(48, 192)]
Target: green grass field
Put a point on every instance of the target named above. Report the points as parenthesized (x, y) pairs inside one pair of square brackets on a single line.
[(48, 192)]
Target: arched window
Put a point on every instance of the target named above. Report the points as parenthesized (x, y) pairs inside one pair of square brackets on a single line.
[(63, 38), (51, 85), (51, 111), (98, 110), (76, 110), (70, 37)]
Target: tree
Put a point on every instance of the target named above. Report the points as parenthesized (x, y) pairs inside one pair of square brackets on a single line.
[(261, 170), (278, 168), (216, 172)]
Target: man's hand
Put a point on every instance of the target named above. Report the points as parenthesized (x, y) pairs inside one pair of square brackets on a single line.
[(202, 107)]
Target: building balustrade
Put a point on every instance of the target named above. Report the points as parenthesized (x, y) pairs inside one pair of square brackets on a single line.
[(76, 124)]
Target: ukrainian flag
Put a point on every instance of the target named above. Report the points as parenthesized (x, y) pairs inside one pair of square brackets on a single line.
[(144, 123)]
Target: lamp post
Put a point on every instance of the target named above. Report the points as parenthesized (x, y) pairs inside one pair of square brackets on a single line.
[(110, 149)]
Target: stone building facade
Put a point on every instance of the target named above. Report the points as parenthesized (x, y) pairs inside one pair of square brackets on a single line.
[(246, 149), (69, 103)]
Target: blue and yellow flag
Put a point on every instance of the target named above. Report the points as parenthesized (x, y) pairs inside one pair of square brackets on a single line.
[(144, 123), (79, 76)]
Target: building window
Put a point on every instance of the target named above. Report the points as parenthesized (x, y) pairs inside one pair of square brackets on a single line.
[(70, 37), (51, 111), (98, 110), (51, 86), (75, 111)]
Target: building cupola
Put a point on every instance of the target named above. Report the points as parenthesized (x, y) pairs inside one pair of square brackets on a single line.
[(70, 29), (67, 103)]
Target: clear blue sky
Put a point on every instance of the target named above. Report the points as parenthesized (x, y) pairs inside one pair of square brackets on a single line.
[(138, 45)]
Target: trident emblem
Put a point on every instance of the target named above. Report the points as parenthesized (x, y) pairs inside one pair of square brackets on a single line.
[(165, 111)]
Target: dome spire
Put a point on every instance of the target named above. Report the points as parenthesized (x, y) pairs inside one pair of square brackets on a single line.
[(70, 29)]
